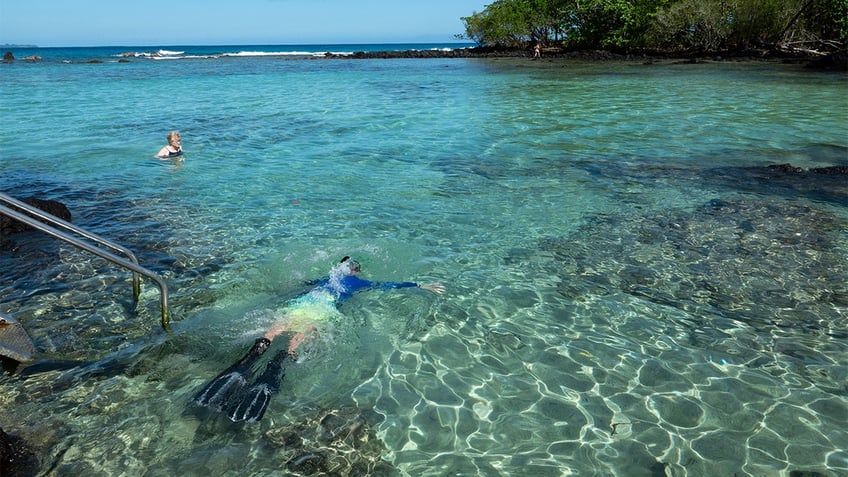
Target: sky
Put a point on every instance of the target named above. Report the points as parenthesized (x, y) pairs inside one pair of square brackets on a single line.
[(231, 22)]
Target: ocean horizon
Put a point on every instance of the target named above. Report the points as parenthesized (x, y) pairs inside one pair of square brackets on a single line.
[(117, 52), (632, 287)]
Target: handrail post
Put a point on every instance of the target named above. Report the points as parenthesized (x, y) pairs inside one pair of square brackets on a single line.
[(52, 219), (111, 257)]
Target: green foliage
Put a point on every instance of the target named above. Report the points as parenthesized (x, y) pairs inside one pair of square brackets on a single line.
[(714, 25), (516, 23), (828, 19), (757, 22), (502, 23), (692, 24), (705, 25)]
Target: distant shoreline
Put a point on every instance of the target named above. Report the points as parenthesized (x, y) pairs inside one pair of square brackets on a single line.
[(834, 62), (837, 61)]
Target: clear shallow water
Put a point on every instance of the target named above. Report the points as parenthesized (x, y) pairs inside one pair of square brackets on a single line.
[(630, 291)]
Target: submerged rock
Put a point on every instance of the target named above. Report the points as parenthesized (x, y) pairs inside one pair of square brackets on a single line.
[(785, 168), (817, 170), (15, 458), (830, 170), (761, 262), (9, 225), (337, 442)]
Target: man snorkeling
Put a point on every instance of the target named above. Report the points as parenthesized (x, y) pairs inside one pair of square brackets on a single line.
[(301, 317)]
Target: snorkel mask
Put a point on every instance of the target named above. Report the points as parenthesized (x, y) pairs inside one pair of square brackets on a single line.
[(348, 266)]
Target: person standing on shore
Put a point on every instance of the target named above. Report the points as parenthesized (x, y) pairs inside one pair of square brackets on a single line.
[(174, 147), (537, 51)]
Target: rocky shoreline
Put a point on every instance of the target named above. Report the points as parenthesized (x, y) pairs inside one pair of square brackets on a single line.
[(837, 61)]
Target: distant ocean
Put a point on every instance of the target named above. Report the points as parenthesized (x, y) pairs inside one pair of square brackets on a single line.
[(175, 52), (631, 288)]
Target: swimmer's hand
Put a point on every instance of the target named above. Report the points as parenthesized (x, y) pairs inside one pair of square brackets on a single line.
[(436, 288)]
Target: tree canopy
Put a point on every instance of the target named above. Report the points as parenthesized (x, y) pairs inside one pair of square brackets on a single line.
[(663, 25)]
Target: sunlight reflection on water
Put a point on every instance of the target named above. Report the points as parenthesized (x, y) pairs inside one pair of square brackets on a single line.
[(628, 291)]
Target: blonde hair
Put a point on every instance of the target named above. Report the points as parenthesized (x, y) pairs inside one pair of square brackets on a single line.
[(173, 134)]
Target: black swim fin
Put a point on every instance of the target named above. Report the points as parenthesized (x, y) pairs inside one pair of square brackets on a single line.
[(232, 381), (252, 406)]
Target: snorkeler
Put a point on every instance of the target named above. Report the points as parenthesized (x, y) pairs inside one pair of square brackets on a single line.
[(229, 391)]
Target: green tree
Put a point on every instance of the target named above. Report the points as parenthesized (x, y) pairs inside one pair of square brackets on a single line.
[(715, 25), (503, 23), (757, 22), (546, 20), (516, 23), (818, 21), (616, 24), (592, 22), (693, 25)]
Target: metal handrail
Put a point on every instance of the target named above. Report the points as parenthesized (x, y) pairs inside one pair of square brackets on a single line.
[(56, 221), (163, 288)]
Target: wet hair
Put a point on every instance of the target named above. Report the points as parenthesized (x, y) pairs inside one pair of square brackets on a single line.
[(353, 265)]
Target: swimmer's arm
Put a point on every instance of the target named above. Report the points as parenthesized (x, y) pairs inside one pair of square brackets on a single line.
[(436, 288), (391, 285), (162, 154)]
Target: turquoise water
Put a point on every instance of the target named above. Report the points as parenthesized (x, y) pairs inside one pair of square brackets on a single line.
[(630, 291)]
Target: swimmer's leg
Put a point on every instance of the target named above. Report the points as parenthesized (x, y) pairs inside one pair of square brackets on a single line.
[(252, 406), (232, 381), (296, 340)]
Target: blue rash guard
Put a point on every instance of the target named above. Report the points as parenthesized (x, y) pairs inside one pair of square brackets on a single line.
[(319, 305), (344, 287)]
